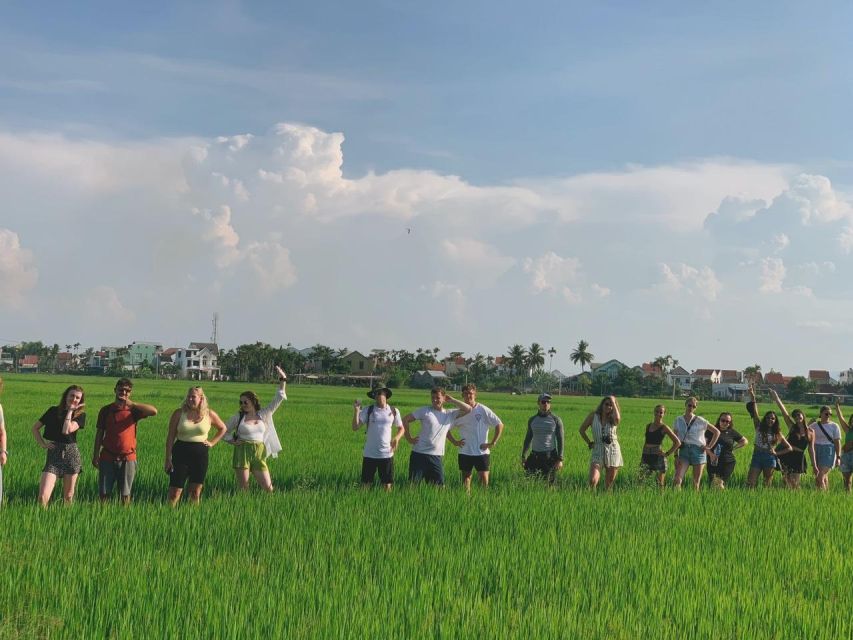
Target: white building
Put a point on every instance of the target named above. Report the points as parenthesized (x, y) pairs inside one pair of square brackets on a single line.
[(199, 361)]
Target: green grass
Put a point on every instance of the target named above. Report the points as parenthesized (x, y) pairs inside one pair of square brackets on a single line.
[(322, 558)]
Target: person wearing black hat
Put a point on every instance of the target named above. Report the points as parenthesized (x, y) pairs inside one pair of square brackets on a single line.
[(545, 439), (379, 419)]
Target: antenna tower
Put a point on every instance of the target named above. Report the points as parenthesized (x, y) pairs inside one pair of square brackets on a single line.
[(215, 333)]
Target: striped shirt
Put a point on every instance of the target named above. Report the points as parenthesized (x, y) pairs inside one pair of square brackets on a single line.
[(545, 433)]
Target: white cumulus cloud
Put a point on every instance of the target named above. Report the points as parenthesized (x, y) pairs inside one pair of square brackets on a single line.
[(18, 273)]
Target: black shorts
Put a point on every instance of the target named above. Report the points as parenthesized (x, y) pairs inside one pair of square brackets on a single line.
[(653, 463), (385, 467), (189, 462), (542, 463), (426, 467), (723, 470), (480, 463)]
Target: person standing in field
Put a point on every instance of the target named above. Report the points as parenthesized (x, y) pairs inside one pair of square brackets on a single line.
[(544, 438), (188, 447), (61, 424), (606, 452), (426, 459), (827, 444), (654, 459), (380, 419), (847, 450), (4, 453), (801, 438), (721, 460), (474, 428), (115, 441), (690, 429), (768, 437), (252, 433)]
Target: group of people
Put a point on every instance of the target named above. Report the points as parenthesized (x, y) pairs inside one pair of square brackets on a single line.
[(696, 442), (193, 429)]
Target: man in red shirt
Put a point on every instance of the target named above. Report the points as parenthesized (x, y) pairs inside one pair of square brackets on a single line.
[(115, 441)]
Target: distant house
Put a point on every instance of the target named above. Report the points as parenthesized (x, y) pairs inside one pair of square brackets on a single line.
[(139, 352), (820, 377), (456, 365), (732, 376), (198, 361), (167, 356), (356, 363), (426, 379), (729, 390), (29, 364), (64, 361), (611, 368), (845, 377), (648, 369), (712, 375), (680, 378)]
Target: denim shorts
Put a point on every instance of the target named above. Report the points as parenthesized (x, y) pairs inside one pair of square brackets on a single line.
[(692, 454), (762, 460), (825, 454), (847, 462)]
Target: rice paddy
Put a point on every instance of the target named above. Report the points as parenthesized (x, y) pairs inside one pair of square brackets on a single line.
[(323, 558)]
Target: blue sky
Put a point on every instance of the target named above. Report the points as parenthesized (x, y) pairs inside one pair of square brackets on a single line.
[(565, 156)]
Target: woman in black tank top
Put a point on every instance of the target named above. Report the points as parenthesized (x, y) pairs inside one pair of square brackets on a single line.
[(654, 460), (801, 438)]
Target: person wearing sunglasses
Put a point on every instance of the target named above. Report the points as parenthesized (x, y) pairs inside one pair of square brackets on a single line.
[(827, 444), (691, 429), (801, 438), (115, 442), (721, 460), (545, 440), (252, 433), (606, 454), (768, 437)]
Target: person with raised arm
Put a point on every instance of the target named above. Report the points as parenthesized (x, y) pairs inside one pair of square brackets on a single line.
[(827, 444), (847, 449), (654, 458), (476, 449), (4, 452), (545, 437), (768, 437), (252, 433), (188, 446), (721, 460), (61, 424), (115, 442), (801, 437), (426, 459), (690, 429), (606, 452), (379, 420)]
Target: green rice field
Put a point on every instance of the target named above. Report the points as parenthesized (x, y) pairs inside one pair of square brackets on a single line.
[(322, 558)]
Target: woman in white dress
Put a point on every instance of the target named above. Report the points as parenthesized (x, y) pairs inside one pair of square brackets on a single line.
[(606, 453)]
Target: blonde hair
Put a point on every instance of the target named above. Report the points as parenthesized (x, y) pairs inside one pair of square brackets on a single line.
[(203, 409)]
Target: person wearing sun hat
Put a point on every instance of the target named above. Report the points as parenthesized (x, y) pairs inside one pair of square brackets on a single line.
[(379, 419), (545, 439)]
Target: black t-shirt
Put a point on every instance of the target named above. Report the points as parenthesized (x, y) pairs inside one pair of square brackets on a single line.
[(52, 421), (725, 443)]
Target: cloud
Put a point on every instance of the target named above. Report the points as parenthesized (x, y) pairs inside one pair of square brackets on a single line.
[(103, 306), (271, 266), (683, 278), (18, 273), (221, 234), (599, 291), (772, 275), (478, 260), (551, 273)]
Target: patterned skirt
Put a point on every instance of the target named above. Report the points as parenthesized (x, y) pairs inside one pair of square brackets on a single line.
[(63, 459)]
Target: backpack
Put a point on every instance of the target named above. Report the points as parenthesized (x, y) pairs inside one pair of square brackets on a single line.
[(370, 413)]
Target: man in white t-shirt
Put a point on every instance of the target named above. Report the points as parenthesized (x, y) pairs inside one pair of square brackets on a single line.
[(425, 462), (475, 446), (380, 418)]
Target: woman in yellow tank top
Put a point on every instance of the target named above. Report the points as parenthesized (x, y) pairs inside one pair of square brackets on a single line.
[(188, 447)]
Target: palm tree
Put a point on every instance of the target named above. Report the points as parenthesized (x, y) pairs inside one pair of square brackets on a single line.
[(535, 358), (581, 354), (752, 374), (551, 353), (665, 364), (515, 358)]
